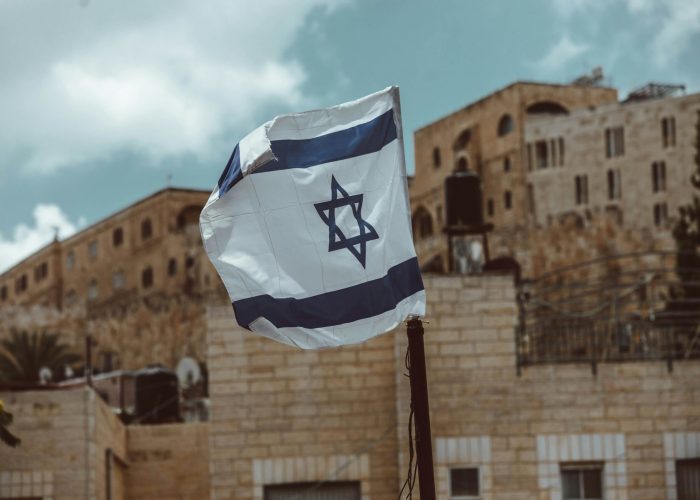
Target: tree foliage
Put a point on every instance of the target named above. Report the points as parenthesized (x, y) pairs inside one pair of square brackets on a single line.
[(22, 356)]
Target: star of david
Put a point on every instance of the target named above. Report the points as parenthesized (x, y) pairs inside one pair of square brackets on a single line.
[(357, 245)]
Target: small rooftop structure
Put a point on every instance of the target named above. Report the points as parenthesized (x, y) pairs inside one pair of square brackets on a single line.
[(655, 91)]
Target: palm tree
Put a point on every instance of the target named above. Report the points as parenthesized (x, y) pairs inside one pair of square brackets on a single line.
[(5, 435), (25, 355)]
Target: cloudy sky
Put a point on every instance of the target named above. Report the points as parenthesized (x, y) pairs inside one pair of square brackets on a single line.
[(102, 101)]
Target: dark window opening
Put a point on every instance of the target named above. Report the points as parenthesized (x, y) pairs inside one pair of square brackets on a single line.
[(189, 262), (41, 272), (3, 293), (668, 131), (508, 200), (506, 164), (658, 176), (505, 125), (462, 165), (146, 229), (660, 214), (529, 157), (490, 208), (117, 237), (21, 284), (437, 161), (614, 142), (438, 213), (553, 151), (541, 154), (172, 267), (614, 185), (581, 189), (582, 481), (561, 151), (688, 479), (546, 108), (464, 482), (422, 223), (327, 490), (147, 277)]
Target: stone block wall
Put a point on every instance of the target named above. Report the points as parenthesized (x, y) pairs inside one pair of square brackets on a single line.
[(168, 462), (281, 415)]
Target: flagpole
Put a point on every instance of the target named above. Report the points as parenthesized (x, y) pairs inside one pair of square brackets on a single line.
[(421, 410)]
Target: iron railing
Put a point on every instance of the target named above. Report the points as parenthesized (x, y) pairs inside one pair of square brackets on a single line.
[(629, 307)]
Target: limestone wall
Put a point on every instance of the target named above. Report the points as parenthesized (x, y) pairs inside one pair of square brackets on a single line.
[(282, 415), (168, 462)]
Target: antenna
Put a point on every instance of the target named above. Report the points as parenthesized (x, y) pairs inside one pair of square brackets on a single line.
[(188, 372)]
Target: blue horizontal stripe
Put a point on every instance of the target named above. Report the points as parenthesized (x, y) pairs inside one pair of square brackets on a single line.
[(362, 139), (232, 173), (338, 307)]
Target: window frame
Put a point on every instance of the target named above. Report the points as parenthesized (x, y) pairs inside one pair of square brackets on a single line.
[(479, 482), (146, 229), (117, 237), (580, 468)]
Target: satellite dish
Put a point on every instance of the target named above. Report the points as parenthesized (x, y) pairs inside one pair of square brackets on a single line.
[(45, 375), (188, 372)]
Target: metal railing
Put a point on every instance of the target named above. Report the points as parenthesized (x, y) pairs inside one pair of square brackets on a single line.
[(630, 307)]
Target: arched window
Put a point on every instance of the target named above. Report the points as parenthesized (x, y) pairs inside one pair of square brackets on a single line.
[(146, 229), (172, 267), (147, 277), (422, 223), (437, 161), (462, 164), (546, 108), (462, 140), (505, 125)]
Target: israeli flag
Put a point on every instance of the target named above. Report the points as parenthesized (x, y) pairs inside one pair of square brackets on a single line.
[(310, 226)]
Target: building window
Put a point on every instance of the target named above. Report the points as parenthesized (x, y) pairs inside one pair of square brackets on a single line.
[(464, 482), (581, 189), (561, 151), (41, 272), (614, 142), (614, 184), (118, 280), (117, 237), (172, 267), (422, 223), (326, 490), (553, 150), (490, 209), (688, 479), (147, 277), (70, 260), (660, 214), (668, 131), (146, 229), (3, 293), (92, 249), (93, 290), (541, 154), (508, 200), (529, 157), (462, 165), (21, 284), (505, 125), (506, 164), (437, 161), (438, 213), (582, 481), (658, 176)]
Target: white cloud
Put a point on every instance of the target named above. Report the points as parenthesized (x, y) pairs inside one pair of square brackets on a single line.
[(561, 54), (163, 77), (665, 28), (49, 221)]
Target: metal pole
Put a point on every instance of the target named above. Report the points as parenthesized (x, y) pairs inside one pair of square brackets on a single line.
[(419, 402)]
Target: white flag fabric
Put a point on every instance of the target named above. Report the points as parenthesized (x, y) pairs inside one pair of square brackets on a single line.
[(310, 226)]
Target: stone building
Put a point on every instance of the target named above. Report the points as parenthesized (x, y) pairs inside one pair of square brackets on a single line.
[(555, 156), (137, 281), (285, 420)]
